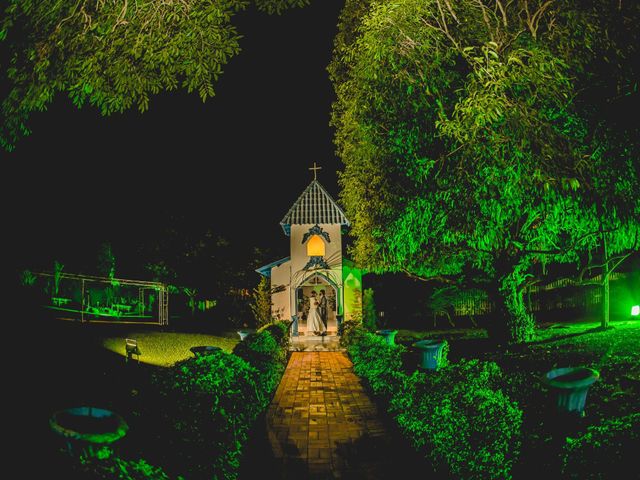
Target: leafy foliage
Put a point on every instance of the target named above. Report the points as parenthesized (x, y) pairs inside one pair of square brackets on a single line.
[(377, 361), (27, 278), (469, 139), (350, 331), (107, 465), (213, 400), (261, 305), (606, 450), (443, 360), (461, 420), (369, 317), (205, 260), (114, 54), (280, 332), (57, 275), (264, 352), (458, 416), (278, 6)]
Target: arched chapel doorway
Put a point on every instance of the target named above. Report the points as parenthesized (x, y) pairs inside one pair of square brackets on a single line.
[(317, 282)]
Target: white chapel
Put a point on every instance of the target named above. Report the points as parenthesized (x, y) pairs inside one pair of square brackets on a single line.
[(315, 225)]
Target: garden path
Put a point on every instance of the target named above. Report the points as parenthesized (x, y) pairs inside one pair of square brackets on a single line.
[(322, 424)]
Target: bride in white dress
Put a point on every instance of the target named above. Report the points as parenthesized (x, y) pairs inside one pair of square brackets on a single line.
[(314, 320)]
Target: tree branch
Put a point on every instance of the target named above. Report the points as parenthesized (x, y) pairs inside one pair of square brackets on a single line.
[(571, 247), (622, 259), (502, 11), (533, 19), (435, 278), (485, 18)]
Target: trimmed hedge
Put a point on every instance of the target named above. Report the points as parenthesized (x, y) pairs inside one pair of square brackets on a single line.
[(108, 466), (210, 403), (606, 450), (378, 362), (279, 331), (350, 332), (213, 400), (457, 417), (266, 351), (460, 419)]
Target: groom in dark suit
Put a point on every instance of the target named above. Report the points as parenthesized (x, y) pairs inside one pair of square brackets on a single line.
[(322, 308)]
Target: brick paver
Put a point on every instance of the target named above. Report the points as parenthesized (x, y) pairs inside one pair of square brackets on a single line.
[(321, 423)]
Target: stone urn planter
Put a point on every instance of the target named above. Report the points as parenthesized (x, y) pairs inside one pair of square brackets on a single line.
[(388, 335), (430, 353), (244, 333), (86, 429), (571, 385), (204, 350)]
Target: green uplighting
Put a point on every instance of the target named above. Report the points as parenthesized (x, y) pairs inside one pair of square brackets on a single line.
[(635, 311)]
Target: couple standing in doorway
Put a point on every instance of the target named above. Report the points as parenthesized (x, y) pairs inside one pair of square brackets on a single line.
[(317, 318)]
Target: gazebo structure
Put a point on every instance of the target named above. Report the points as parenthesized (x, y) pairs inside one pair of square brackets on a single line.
[(106, 299)]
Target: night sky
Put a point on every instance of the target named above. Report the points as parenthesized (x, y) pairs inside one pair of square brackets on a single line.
[(235, 163)]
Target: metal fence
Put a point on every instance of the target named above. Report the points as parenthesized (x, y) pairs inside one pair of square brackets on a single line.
[(561, 294)]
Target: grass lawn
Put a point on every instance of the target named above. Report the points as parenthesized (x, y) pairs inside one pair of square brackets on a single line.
[(166, 348)]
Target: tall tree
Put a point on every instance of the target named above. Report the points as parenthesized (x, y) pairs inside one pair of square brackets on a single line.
[(190, 255), (468, 138), (114, 54), (261, 302)]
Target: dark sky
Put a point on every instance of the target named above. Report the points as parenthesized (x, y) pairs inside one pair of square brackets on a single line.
[(235, 163)]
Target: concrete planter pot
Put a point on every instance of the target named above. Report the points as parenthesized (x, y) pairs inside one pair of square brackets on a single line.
[(430, 353), (388, 335), (204, 350), (86, 429), (571, 385)]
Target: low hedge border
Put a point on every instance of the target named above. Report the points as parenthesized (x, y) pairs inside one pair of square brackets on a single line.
[(209, 404), (457, 417), (605, 450)]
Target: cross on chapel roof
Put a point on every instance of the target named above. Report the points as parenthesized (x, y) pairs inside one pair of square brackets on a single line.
[(315, 169)]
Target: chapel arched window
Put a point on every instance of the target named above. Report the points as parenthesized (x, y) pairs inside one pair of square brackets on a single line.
[(315, 246)]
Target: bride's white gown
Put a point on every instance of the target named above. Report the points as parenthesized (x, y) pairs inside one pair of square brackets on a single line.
[(314, 320)]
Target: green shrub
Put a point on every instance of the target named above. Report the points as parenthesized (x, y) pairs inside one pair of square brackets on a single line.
[(607, 450), (261, 302), (460, 419), (378, 362), (369, 315), (108, 466), (350, 332), (264, 353), (444, 356), (211, 402), (267, 352), (280, 332)]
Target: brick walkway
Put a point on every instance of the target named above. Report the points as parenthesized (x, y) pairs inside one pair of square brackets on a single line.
[(322, 424)]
